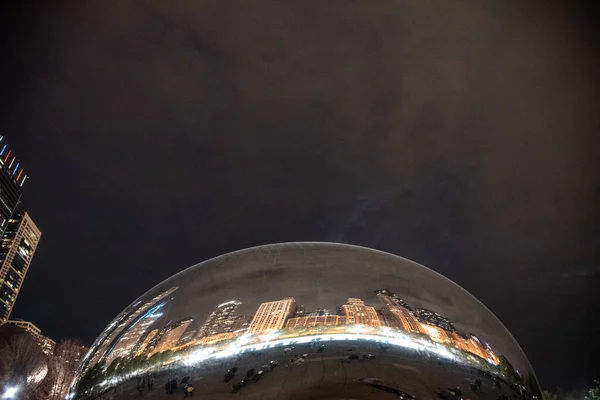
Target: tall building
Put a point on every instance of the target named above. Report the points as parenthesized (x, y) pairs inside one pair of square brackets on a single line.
[(436, 333), (272, 315), (12, 179), (129, 342), (27, 326), (429, 317), (221, 320), (389, 298), (172, 335), (153, 342), (357, 312), (45, 343), (318, 320), (319, 312), (188, 336), (146, 342), (119, 326), (400, 318), (19, 241), (300, 311), (241, 323), (396, 313)]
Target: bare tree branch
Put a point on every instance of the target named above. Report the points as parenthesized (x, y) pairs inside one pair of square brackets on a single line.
[(66, 360), (23, 364)]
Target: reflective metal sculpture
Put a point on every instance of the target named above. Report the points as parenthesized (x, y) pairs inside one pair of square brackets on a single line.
[(307, 320)]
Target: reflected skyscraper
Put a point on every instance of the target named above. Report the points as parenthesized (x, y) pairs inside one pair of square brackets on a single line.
[(397, 313), (389, 298), (436, 333), (146, 342), (317, 320), (154, 340), (188, 336), (300, 311), (103, 345), (357, 312), (272, 315), (129, 342), (172, 334), (474, 345), (319, 312), (220, 320), (19, 242), (241, 323), (432, 318)]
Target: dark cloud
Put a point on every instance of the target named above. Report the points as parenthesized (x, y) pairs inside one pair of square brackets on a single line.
[(462, 136)]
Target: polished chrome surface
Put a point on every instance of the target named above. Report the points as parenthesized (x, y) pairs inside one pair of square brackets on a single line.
[(307, 320)]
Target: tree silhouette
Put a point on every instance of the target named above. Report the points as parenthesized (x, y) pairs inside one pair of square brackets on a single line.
[(507, 368), (23, 364), (113, 368), (594, 393), (548, 395), (91, 377), (66, 360)]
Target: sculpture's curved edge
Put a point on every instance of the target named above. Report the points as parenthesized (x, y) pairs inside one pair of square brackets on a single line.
[(341, 245)]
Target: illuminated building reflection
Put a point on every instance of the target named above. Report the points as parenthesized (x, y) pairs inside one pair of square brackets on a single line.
[(403, 323)]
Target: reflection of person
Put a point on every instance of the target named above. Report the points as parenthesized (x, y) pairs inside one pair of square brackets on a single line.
[(476, 386), (188, 389)]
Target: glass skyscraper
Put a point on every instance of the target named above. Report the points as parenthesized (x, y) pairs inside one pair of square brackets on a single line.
[(12, 179)]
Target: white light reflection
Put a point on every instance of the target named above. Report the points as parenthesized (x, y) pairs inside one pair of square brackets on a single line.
[(38, 374), (10, 392), (357, 328), (236, 347), (386, 331), (269, 336)]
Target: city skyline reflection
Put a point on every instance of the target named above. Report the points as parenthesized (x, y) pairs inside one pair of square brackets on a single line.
[(322, 297)]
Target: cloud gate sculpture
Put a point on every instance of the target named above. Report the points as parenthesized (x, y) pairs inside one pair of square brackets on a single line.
[(307, 320)]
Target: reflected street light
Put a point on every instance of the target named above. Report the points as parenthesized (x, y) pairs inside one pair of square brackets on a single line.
[(10, 392)]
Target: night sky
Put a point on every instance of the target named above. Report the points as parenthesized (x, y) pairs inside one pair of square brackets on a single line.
[(463, 136)]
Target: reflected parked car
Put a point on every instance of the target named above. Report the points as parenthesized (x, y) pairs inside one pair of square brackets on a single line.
[(235, 388), (229, 375)]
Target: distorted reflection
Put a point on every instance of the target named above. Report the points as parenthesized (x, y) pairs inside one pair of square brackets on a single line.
[(311, 320)]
